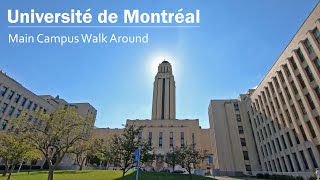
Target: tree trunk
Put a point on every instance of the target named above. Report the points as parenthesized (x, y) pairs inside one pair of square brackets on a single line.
[(190, 176), (30, 167), (12, 168), (123, 173), (51, 171), (6, 169), (173, 165)]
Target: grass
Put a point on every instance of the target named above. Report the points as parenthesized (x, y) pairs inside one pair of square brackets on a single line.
[(102, 175)]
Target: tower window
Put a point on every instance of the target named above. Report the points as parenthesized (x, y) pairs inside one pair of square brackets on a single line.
[(171, 139), (160, 139), (150, 138), (182, 139)]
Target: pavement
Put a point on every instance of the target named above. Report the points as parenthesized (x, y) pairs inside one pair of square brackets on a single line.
[(233, 178)]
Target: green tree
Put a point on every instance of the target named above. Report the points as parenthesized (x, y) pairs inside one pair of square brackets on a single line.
[(123, 147), (14, 149), (55, 134), (190, 156), (173, 156)]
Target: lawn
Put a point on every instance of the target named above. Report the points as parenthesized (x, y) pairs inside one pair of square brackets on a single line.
[(102, 175)]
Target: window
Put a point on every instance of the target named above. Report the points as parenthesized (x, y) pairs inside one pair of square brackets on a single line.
[(284, 163), (150, 138), (17, 98), (278, 162), (236, 106), (304, 160), (274, 146), (29, 104), (312, 106), (316, 34), (273, 126), (248, 168), (4, 107), (288, 116), (293, 63), (281, 77), (193, 140), (276, 82), (303, 109), (300, 55), (317, 91), (182, 139), (303, 85), (171, 139), (10, 95), (245, 155), (23, 102), (240, 129), (286, 69), (296, 161), (308, 46), (294, 87), (284, 142), (309, 73), (34, 107), (296, 115), (317, 63), (139, 136), (289, 138), (313, 133), (4, 124), (290, 162), (318, 120), (314, 162), (3, 91), (238, 117), (296, 136), (243, 141), (287, 92), (18, 113), (303, 133), (160, 139), (10, 111), (282, 99)]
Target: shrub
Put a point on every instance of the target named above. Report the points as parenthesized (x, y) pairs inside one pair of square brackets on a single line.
[(266, 176), (259, 175), (312, 178)]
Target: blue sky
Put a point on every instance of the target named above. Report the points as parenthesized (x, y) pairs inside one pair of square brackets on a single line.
[(235, 46)]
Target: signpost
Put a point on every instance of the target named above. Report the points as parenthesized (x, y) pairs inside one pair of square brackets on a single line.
[(137, 159)]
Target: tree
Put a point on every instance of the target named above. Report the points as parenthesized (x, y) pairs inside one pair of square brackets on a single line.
[(102, 152), (173, 156), (81, 150), (123, 147), (189, 156), (14, 149), (54, 134)]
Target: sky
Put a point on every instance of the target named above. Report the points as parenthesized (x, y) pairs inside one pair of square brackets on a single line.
[(232, 50)]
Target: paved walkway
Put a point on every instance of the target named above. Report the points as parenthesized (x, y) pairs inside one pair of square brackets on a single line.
[(233, 178)]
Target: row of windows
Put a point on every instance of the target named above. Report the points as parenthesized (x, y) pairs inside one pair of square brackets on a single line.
[(286, 163), (182, 141), (24, 103)]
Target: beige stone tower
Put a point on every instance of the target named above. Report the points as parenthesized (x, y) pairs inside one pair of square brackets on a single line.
[(164, 93)]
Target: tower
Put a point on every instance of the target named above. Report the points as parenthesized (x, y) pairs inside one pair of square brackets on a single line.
[(164, 93)]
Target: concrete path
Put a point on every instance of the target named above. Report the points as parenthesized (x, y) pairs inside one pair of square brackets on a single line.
[(233, 178)]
